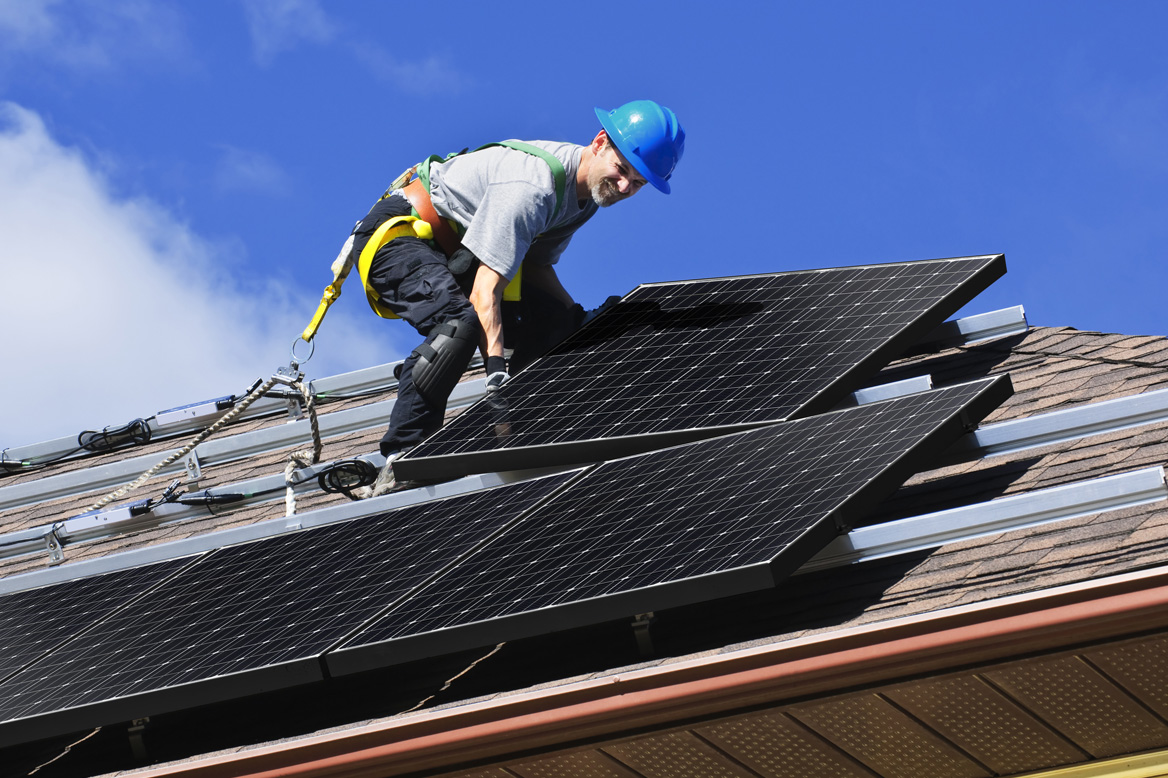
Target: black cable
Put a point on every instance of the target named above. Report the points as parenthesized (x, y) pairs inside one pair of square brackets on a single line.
[(136, 433), (346, 475), (10, 466), (329, 396), (206, 499)]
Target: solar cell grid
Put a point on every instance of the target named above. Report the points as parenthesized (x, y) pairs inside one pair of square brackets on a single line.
[(33, 622), (263, 606), (713, 518), (690, 359)]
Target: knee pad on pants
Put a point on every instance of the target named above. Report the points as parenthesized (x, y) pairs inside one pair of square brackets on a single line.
[(443, 357)]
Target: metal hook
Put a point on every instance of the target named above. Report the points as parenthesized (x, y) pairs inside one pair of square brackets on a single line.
[(298, 361)]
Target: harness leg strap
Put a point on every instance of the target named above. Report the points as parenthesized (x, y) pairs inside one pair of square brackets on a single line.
[(443, 357)]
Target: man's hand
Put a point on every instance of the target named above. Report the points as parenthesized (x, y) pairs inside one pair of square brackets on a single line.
[(496, 373)]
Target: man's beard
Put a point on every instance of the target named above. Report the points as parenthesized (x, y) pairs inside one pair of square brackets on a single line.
[(604, 193)]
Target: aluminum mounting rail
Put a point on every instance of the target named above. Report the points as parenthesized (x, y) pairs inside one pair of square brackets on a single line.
[(120, 518), (1030, 509), (367, 379), (216, 451), (1068, 424), (983, 326), (970, 329), (264, 529), (904, 536)]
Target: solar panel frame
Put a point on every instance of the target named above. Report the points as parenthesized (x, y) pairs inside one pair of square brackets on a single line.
[(486, 437), (482, 601), (233, 624)]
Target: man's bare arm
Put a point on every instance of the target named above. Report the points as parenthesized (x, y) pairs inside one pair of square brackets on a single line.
[(486, 296)]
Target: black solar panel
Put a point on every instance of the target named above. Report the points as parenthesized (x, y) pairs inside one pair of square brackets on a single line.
[(33, 622), (682, 361), (688, 524), (251, 617)]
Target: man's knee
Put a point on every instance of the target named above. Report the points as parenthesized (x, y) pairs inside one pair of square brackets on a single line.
[(442, 358)]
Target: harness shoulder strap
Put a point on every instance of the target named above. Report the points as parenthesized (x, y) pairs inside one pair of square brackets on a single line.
[(559, 174)]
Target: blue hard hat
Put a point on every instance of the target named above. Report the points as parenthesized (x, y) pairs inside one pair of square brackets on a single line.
[(649, 136)]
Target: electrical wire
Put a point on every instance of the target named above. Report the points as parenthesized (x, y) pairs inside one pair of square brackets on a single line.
[(13, 466), (344, 476), (137, 432), (207, 498), (329, 396)]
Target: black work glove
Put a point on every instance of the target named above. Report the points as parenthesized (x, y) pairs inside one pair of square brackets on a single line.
[(461, 261), (590, 315)]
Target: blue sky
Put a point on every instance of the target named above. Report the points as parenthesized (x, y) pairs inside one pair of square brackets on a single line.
[(176, 178)]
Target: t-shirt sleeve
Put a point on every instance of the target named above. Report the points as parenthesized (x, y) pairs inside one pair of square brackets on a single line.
[(514, 210)]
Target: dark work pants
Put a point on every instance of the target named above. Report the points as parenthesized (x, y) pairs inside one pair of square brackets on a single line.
[(412, 280)]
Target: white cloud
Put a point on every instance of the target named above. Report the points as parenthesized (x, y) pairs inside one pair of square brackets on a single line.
[(281, 25), (26, 20), (427, 76), (114, 309), (242, 170), (92, 35)]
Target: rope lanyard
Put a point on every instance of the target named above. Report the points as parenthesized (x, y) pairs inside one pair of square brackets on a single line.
[(304, 458)]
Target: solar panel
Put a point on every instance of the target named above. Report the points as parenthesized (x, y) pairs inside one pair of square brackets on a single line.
[(676, 362), (252, 617), (35, 621), (688, 524)]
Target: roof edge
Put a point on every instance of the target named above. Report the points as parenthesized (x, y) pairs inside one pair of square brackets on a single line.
[(659, 696)]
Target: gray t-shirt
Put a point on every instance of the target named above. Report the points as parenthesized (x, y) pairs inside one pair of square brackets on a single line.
[(504, 200)]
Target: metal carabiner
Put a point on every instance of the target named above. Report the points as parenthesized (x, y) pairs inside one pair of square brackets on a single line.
[(298, 361)]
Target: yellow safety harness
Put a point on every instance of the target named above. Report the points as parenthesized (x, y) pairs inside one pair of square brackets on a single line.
[(413, 226)]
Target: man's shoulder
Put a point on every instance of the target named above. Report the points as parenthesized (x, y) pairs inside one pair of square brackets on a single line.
[(567, 153)]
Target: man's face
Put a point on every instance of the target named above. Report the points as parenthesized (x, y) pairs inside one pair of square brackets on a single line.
[(611, 178)]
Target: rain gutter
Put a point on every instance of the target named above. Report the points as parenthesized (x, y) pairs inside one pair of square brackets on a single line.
[(663, 696)]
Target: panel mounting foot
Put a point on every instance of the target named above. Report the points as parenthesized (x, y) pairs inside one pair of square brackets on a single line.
[(641, 624), (137, 741)]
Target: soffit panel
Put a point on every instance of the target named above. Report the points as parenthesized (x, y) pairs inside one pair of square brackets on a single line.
[(1141, 668), (884, 738), (675, 755), (578, 764), (1072, 696), (984, 723), (775, 746)]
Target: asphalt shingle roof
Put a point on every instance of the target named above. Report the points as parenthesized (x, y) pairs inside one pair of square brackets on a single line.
[(1051, 368)]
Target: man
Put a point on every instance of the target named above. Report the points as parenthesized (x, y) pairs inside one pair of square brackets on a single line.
[(492, 212)]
